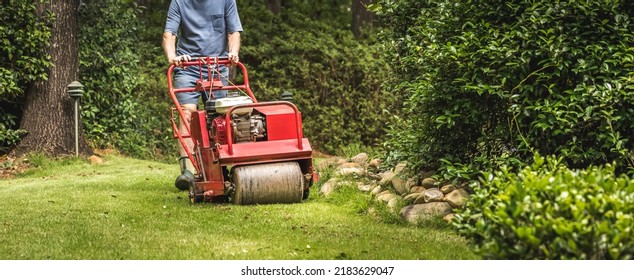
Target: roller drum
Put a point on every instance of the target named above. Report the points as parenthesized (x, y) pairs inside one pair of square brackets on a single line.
[(268, 183)]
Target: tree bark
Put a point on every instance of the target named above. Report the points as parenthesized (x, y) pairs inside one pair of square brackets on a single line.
[(360, 16), (48, 114), (275, 6)]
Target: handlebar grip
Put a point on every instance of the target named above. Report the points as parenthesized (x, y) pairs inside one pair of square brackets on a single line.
[(223, 60)]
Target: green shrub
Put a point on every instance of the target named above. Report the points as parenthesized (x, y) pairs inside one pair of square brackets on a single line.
[(23, 59), (121, 108), (548, 211), (492, 82)]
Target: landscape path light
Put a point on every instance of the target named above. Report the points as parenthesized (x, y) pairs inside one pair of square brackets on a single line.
[(76, 91)]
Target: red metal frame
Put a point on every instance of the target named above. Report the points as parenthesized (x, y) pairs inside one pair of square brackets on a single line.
[(214, 61)]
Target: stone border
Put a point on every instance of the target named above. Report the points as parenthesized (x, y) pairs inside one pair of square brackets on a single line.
[(425, 197)]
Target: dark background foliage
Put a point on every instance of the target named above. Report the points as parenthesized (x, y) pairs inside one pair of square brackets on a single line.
[(307, 49)]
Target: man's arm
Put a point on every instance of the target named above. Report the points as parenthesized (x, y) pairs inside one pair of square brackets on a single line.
[(234, 46), (169, 48)]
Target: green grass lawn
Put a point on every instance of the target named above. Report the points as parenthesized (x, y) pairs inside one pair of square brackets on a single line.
[(129, 209)]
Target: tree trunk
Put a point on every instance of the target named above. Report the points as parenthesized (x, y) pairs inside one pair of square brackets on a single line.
[(360, 15), (48, 114), (275, 6)]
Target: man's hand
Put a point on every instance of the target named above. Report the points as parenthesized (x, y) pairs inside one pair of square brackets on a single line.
[(234, 47), (178, 60), (233, 57)]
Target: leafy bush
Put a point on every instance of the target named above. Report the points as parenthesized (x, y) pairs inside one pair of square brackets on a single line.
[(120, 109), (491, 82), (548, 211), (23, 59)]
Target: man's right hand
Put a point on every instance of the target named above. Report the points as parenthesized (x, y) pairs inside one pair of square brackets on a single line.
[(178, 60)]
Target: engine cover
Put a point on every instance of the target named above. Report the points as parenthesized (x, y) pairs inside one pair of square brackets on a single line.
[(218, 131), (244, 128)]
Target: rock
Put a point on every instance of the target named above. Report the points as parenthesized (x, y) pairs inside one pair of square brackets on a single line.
[(400, 168), (372, 175), (360, 158), (386, 196), (386, 178), (411, 182), (349, 165), (94, 159), (374, 163), (341, 161), (432, 195), (415, 213), (364, 187), (449, 217), (448, 188), (457, 198), (399, 185), (328, 187), (411, 197), (429, 183), (417, 189), (393, 203), (377, 190), (350, 171)]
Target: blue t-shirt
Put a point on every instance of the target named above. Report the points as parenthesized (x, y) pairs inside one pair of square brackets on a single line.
[(202, 26)]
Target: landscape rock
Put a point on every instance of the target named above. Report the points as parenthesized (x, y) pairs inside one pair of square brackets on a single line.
[(341, 161), (449, 217), (377, 190), (349, 165), (360, 158), (375, 163), (386, 178), (415, 213), (400, 168), (417, 189), (429, 183), (328, 187), (400, 185), (448, 188), (350, 171), (457, 198), (365, 187), (393, 203), (386, 196), (411, 197), (411, 182), (432, 195)]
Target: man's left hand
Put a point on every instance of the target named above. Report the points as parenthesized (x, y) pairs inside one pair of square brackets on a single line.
[(233, 57)]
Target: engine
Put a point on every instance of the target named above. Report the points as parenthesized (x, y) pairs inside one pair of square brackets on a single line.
[(248, 127), (246, 124)]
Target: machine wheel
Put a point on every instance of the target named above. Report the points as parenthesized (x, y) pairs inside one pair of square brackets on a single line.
[(268, 183)]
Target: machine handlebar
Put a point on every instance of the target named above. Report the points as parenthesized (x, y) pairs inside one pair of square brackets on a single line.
[(206, 60)]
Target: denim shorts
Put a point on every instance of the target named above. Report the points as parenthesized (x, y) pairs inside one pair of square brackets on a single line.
[(184, 78)]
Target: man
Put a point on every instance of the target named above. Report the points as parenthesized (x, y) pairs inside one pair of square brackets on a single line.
[(203, 28)]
